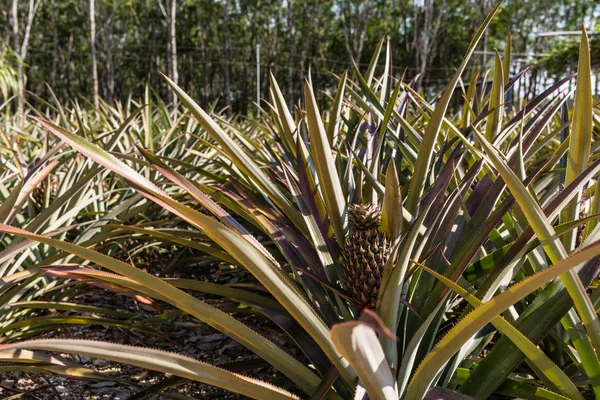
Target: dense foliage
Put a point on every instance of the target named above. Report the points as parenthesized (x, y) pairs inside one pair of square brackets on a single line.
[(216, 42), (564, 55)]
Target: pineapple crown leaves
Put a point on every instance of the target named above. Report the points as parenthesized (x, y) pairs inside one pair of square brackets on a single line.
[(364, 217)]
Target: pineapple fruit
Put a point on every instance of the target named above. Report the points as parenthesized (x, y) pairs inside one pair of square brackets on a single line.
[(39, 193), (365, 254)]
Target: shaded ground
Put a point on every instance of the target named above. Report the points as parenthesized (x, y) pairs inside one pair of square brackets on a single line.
[(201, 341), (184, 335)]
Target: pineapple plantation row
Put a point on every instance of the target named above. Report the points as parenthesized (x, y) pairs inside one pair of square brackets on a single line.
[(406, 248)]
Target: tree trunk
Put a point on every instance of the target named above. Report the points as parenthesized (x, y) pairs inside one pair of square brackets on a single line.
[(426, 37), (68, 64), (484, 9), (17, 46), (93, 48), (303, 43), (110, 68), (204, 45), (355, 20), (291, 51), (172, 47), (225, 57), (54, 48), (21, 50)]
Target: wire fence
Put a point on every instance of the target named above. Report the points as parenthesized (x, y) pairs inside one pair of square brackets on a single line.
[(245, 71)]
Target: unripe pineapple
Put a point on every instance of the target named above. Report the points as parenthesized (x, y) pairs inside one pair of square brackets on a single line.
[(39, 193), (365, 254)]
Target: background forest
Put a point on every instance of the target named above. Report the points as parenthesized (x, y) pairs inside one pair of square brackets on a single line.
[(210, 47)]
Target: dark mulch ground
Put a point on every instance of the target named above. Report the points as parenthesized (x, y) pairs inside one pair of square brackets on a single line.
[(185, 335), (199, 341)]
